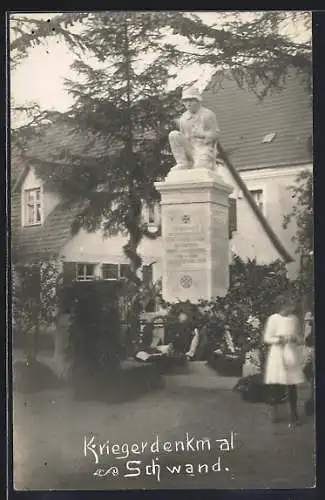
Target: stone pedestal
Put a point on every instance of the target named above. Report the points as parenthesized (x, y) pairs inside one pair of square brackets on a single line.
[(195, 238)]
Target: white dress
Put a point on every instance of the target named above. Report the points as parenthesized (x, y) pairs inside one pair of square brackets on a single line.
[(276, 372)]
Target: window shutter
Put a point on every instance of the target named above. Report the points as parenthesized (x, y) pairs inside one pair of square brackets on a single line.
[(232, 216), (110, 271), (69, 272), (124, 271)]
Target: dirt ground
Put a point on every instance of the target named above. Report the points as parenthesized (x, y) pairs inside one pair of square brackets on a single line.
[(51, 429)]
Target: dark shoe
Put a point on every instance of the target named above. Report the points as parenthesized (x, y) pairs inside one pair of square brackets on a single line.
[(294, 422)]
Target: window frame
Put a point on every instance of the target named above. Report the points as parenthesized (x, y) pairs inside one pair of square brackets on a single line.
[(262, 190), (25, 205), (120, 275), (86, 277)]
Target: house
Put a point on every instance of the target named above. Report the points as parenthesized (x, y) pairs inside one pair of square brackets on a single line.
[(41, 222), (267, 142)]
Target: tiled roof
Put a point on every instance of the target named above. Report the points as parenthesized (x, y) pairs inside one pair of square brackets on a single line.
[(245, 120), (46, 240), (52, 140)]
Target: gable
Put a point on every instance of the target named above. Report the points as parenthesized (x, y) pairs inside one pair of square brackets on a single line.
[(31, 181)]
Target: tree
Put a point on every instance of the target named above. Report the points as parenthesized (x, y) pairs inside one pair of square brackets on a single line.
[(302, 216), (126, 108), (134, 135), (255, 48)]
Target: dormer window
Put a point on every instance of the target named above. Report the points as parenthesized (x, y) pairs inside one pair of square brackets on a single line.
[(33, 207)]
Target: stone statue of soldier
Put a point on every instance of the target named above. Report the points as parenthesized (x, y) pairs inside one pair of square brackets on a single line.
[(194, 145)]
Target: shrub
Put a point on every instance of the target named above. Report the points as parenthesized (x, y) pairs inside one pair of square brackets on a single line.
[(244, 310), (34, 302)]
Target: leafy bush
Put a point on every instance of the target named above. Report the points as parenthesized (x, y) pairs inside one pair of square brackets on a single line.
[(243, 311), (34, 302)]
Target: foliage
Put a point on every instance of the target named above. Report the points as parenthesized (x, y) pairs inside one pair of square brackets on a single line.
[(35, 301), (29, 32), (302, 215), (243, 311), (255, 50), (253, 44)]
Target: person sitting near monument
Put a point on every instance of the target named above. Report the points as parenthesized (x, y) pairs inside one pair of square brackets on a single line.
[(194, 145)]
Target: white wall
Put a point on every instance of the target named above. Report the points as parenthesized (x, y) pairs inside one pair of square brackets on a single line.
[(94, 248), (250, 240)]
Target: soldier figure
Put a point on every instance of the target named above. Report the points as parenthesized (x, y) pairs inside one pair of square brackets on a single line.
[(195, 144)]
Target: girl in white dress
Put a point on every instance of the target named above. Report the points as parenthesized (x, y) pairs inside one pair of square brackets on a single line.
[(283, 330)]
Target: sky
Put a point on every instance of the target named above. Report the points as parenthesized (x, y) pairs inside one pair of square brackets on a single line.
[(39, 78)]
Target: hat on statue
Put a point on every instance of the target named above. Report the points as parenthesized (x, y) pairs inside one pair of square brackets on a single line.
[(191, 93)]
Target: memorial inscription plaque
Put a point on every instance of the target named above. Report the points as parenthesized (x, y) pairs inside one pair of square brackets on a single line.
[(185, 240)]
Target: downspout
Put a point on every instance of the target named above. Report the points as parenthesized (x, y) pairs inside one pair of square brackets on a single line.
[(264, 223)]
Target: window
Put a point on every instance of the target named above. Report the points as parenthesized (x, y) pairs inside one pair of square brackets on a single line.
[(115, 271), (258, 197), (32, 207), (269, 137), (85, 272), (110, 271)]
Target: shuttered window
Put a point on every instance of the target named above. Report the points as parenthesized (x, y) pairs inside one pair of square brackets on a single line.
[(232, 216), (110, 272)]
